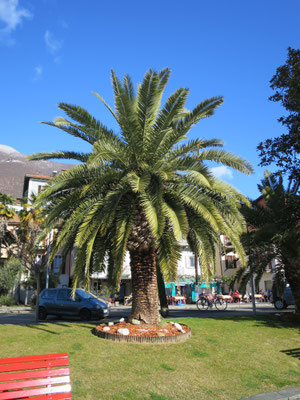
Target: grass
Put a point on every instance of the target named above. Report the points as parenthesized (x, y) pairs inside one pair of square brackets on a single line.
[(225, 359)]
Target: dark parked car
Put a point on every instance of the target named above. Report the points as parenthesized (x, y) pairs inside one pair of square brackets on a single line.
[(60, 302), (281, 302)]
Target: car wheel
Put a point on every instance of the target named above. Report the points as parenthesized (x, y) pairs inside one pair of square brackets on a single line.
[(279, 304), (85, 314), (42, 313)]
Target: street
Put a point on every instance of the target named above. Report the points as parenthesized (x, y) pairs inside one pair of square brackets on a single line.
[(24, 317)]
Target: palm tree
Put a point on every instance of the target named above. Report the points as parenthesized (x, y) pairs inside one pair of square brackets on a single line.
[(141, 190), (274, 233)]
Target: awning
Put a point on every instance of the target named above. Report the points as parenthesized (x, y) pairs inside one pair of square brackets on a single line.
[(186, 281)]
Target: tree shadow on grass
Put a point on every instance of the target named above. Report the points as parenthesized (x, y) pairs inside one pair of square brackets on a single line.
[(292, 352), (39, 328), (40, 325), (279, 323), (270, 321)]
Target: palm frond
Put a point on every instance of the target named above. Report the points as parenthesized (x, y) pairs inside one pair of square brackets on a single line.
[(203, 110), (66, 155)]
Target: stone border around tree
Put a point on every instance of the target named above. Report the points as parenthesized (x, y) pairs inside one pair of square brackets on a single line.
[(180, 338)]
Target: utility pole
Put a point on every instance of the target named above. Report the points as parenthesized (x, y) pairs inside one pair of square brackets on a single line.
[(251, 277), (48, 255), (196, 269), (253, 295)]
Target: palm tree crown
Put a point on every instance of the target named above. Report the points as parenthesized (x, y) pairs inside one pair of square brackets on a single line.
[(144, 189)]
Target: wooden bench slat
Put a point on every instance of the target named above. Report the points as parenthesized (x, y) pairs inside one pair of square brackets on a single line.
[(34, 374), (34, 383), (32, 358), (59, 396), (21, 394), (33, 365), (44, 377)]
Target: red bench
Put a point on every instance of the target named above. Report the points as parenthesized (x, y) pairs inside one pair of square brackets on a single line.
[(44, 377)]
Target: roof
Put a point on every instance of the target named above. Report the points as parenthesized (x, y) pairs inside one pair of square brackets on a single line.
[(14, 167), (44, 177)]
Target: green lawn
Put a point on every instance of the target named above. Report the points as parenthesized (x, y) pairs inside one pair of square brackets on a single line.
[(225, 359)]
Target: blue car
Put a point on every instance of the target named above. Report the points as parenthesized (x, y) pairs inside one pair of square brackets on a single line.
[(60, 302), (281, 302)]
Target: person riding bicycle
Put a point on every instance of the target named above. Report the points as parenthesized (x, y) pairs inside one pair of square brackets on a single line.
[(206, 301)]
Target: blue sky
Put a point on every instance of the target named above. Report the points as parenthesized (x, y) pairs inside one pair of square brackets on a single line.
[(54, 50)]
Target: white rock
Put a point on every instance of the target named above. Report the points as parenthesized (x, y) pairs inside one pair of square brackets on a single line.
[(105, 329), (110, 324), (122, 319), (123, 331), (179, 327), (136, 322)]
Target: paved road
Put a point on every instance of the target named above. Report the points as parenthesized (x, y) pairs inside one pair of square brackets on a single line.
[(23, 317)]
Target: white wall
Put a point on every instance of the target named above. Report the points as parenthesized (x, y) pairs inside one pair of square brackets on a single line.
[(186, 264), (184, 267), (33, 186)]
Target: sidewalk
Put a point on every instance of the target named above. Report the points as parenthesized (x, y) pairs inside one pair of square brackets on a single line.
[(292, 393), (16, 310)]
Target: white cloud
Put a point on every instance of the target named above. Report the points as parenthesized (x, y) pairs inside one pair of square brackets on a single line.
[(53, 45), (222, 172), (38, 71), (12, 15)]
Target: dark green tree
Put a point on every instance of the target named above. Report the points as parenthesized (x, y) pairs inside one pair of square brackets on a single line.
[(284, 150), (274, 233), (141, 190), (9, 275)]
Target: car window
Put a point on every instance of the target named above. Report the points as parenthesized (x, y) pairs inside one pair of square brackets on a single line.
[(85, 295), (64, 294), (49, 294)]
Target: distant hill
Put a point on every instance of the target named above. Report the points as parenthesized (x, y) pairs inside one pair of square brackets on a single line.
[(14, 167)]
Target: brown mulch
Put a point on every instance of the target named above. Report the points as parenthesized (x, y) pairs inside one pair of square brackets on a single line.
[(144, 330)]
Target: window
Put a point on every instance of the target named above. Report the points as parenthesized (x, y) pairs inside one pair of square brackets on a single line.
[(268, 285), (49, 294), (230, 262), (57, 264), (64, 294), (97, 285), (191, 262)]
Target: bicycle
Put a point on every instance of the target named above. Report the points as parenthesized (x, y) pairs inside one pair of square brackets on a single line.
[(203, 303)]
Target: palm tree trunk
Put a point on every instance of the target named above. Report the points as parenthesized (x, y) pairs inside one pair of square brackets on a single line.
[(144, 286), (164, 308)]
